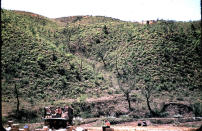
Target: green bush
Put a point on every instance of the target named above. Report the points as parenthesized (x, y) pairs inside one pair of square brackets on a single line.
[(86, 114), (197, 108), (4, 120)]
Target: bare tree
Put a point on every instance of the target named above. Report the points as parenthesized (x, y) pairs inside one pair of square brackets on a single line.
[(18, 83), (147, 89), (126, 88), (126, 80), (101, 55), (103, 52)]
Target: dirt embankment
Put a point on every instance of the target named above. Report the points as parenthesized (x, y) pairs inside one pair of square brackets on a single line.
[(116, 105)]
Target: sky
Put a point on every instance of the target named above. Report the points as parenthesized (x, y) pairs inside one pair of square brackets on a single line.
[(127, 10)]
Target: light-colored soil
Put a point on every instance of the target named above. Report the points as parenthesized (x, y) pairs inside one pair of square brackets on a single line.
[(149, 128), (186, 124), (133, 126)]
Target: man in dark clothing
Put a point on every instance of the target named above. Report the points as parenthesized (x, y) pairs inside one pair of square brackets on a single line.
[(58, 112), (70, 114)]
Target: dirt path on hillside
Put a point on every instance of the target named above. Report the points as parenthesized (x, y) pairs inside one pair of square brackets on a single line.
[(110, 76), (99, 67), (105, 98)]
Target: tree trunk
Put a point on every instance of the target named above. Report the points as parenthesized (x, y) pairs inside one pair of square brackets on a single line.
[(18, 102), (149, 107), (128, 99)]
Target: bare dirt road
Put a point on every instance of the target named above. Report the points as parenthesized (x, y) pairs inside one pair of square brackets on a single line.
[(149, 128), (132, 126)]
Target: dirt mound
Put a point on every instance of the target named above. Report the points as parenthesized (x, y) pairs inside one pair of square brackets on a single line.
[(107, 106), (178, 110)]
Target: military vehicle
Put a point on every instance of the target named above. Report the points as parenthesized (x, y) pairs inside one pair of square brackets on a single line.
[(57, 117)]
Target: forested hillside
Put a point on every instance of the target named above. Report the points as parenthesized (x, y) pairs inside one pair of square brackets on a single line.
[(67, 60), (36, 59)]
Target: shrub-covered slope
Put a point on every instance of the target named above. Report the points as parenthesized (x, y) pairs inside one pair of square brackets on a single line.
[(163, 57), (169, 51), (36, 59), (49, 62)]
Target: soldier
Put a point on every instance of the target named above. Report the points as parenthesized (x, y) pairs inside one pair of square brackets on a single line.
[(107, 124), (70, 115), (65, 112), (58, 112), (47, 112), (66, 109)]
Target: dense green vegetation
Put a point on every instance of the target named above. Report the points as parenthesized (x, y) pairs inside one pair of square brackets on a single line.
[(51, 60), (168, 51), (36, 59), (162, 57)]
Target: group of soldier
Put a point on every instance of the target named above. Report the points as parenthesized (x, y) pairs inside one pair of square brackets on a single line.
[(66, 113)]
